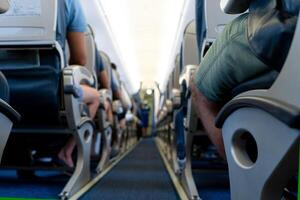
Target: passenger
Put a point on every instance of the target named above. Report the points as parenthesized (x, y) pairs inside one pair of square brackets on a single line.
[(104, 84), (117, 95), (76, 27), (235, 58), (144, 116)]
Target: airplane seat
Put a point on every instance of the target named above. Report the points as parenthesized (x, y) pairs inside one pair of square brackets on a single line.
[(106, 62), (127, 136), (104, 126), (103, 59), (119, 112), (102, 139), (91, 53), (263, 81), (235, 7), (215, 21), (43, 87), (8, 115), (261, 134)]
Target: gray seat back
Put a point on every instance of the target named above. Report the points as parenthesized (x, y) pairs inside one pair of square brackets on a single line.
[(31, 24), (215, 22), (215, 18), (177, 72), (91, 53), (33, 68), (190, 55)]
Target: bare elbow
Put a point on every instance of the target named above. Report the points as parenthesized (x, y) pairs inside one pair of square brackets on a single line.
[(82, 62), (78, 61)]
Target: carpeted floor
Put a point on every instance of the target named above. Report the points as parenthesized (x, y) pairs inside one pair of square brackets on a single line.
[(212, 185), (47, 186), (141, 175)]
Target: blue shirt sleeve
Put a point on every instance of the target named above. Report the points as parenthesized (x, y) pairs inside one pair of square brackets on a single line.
[(76, 19), (114, 82), (99, 62)]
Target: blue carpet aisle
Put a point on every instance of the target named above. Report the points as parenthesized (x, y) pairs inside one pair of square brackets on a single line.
[(141, 175), (212, 185), (47, 186)]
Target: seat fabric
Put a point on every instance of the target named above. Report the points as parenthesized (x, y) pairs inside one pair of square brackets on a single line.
[(35, 91)]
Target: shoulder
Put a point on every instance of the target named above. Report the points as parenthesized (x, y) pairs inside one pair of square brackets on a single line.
[(76, 18)]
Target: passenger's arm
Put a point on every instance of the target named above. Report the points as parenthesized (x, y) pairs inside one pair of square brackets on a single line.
[(103, 77), (207, 111), (117, 94), (78, 54)]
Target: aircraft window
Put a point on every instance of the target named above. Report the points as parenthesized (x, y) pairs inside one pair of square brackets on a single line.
[(29, 58)]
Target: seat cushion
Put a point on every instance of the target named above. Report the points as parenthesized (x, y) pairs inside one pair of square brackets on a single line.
[(4, 89), (34, 92), (263, 81)]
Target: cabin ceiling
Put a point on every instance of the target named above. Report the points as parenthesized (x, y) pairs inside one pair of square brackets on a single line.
[(145, 33)]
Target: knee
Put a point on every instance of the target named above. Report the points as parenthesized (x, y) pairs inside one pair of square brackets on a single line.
[(107, 106), (96, 97)]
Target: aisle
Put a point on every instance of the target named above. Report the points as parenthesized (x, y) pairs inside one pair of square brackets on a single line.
[(140, 175)]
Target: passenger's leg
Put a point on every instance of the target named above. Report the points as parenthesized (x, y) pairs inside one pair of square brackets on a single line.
[(228, 63), (123, 124), (109, 112), (91, 98), (207, 111)]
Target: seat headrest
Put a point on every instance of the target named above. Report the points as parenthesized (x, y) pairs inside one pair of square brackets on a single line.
[(234, 6), (4, 6), (216, 19), (91, 51), (190, 52)]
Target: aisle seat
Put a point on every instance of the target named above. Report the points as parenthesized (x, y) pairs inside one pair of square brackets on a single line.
[(104, 126), (44, 88), (260, 129), (8, 115)]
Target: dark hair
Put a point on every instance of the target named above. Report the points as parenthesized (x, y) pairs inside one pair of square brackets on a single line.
[(114, 66)]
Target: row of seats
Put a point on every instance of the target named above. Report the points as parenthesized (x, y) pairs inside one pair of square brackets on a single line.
[(258, 122), (43, 88)]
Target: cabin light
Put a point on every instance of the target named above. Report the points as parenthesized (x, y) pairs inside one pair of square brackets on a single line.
[(149, 92)]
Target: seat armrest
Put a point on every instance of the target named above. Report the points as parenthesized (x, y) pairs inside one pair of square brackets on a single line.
[(73, 76), (176, 98), (80, 75), (8, 111), (187, 74), (105, 94), (117, 107), (235, 6), (288, 114)]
